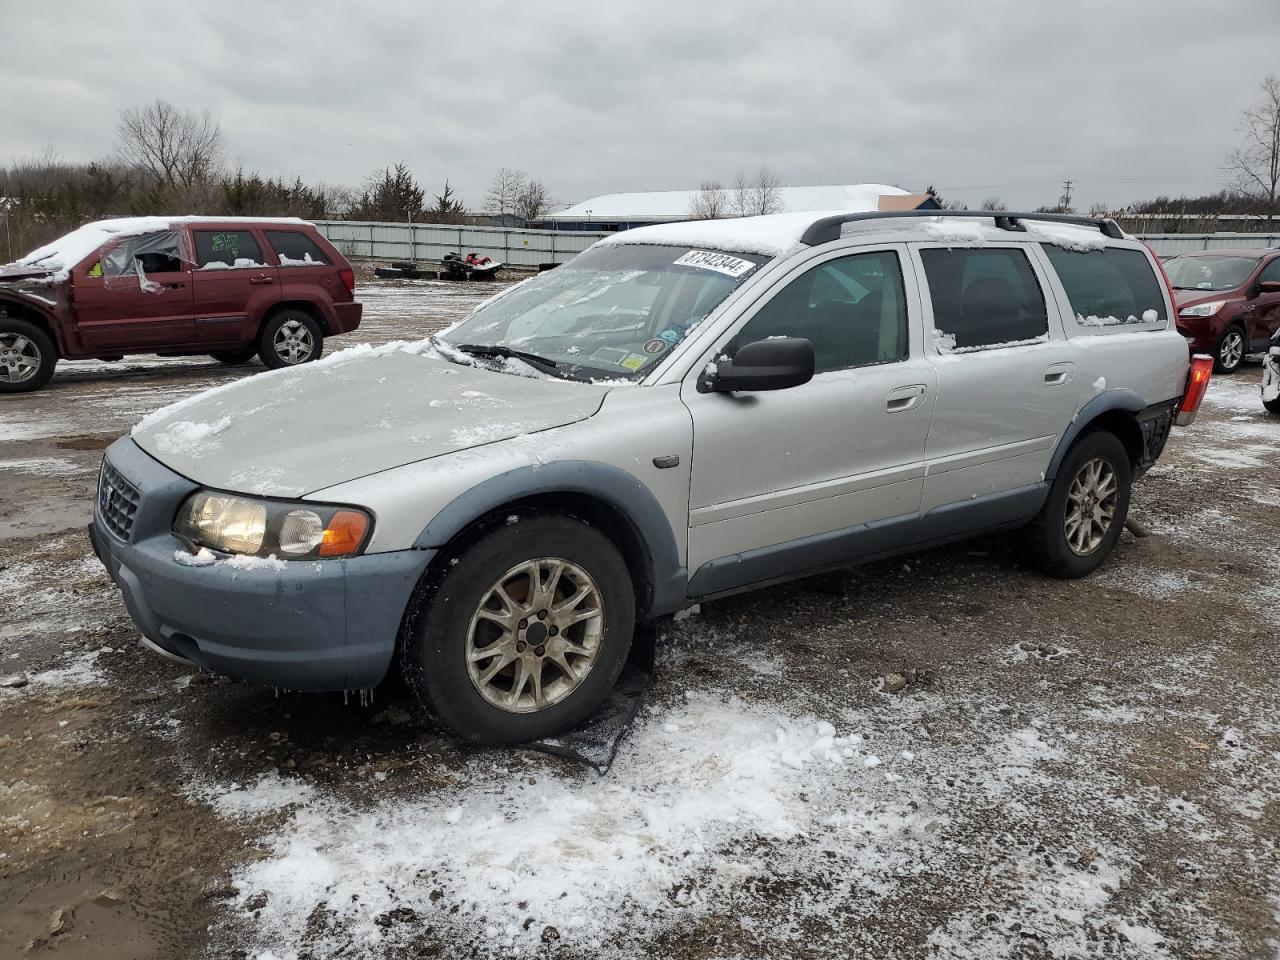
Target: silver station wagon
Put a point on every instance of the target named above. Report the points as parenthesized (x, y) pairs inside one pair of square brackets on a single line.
[(679, 413)]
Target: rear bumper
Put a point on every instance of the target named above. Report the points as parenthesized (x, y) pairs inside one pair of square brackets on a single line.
[(311, 625), (346, 316)]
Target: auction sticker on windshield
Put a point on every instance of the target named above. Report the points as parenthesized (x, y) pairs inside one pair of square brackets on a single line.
[(719, 262)]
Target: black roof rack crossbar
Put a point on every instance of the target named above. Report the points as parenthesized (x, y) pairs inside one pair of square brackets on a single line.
[(828, 228)]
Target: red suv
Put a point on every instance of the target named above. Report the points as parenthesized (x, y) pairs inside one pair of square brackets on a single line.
[(229, 287), (1228, 301)]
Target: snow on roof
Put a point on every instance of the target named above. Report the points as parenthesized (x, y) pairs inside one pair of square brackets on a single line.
[(776, 235), (675, 204), (779, 234), (68, 250)]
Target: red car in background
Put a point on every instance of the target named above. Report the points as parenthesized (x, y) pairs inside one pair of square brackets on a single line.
[(1228, 301), (229, 287)]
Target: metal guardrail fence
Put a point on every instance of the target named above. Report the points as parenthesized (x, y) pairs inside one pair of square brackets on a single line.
[(362, 240), (365, 240), (1167, 243)]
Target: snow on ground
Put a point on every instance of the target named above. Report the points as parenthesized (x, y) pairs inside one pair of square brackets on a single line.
[(716, 800)]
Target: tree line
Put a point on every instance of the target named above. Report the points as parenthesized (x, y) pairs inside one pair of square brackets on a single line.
[(170, 161)]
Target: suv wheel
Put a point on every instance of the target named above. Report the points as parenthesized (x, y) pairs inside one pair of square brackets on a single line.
[(234, 356), (1230, 352), (290, 338), (524, 632), (27, 356), (1081, 521)]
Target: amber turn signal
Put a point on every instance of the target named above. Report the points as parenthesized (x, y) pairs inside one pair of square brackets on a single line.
[(344, 534)]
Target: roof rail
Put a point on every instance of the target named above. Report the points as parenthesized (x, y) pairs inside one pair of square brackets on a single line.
[(828, 228)]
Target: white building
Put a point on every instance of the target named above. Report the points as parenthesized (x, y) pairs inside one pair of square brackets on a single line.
[(622, 211)]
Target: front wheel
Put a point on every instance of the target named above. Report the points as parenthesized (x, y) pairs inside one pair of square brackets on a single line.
[(1271, 381), (27, 356), (1230, 352), (1080, 522), (524, 632), (290, 338)]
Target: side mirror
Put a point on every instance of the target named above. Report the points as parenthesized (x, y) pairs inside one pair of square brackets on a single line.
[(774, 364), (1269, 286)]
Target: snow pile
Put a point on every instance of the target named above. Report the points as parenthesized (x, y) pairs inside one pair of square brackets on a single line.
[(306, 261), (1069, 236), (591, 857), (958, 232), (187, 437), (944, 342), (204, 557), (241, 263), (1148, 316), (776, 235)]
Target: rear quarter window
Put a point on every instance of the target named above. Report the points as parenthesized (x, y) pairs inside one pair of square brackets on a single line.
[(1110, 290), (296, 249)]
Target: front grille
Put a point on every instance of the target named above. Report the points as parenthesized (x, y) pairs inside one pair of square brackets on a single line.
[(117, 501)]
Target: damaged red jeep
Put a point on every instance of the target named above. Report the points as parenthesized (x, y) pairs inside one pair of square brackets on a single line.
[(228, 287)]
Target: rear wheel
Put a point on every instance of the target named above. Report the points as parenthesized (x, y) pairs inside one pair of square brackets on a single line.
[(524, 632), (1081, 521), (290, 338), (234, 356), (1230, 351), (27, 356)]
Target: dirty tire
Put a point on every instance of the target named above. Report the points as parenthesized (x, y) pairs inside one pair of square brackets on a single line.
[(1229, 352), (27, 356), (434, 654), (284, 329), (1043, 544), (235, 356)]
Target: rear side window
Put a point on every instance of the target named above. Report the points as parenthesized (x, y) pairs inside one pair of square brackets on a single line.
[(227, 250), (982, 298), (1109, 287), (296, 249)]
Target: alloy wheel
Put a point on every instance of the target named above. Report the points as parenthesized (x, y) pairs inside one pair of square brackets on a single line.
[(1232, 351), (293, 342), (1091, 506), (535, 635), (19, 358)]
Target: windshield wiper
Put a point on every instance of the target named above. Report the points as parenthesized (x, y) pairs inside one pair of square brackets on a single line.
[(497, 350)]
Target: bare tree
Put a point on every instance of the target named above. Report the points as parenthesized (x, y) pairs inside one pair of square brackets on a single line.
[(994, 204), (533, 202), (758, 195), (1255, 166), (503, 192), (176, 148), (711, 202), (1099, 210)]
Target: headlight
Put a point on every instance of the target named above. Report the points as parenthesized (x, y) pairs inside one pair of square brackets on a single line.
[(292, 531), (1202, 309)]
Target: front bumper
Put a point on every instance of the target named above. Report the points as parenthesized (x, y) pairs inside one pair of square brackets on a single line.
[(313, 625)]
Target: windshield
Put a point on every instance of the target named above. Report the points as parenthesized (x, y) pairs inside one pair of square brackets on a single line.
[(1209, 273), (611, 312)]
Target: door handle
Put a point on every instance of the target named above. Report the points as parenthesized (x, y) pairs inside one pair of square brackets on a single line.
[(262, 280), (175, 286), (904, 398), (1057, 373)]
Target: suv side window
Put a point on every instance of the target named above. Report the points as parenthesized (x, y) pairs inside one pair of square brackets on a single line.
[(296, 249), (1110, 286), (984, 297), (227, 249), (1271, 271), (853, 310), (152, 252)]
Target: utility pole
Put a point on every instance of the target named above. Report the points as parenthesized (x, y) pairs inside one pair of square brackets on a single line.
[(1064, 202)]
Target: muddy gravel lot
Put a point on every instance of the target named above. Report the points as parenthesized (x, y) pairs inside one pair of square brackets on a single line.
[(943, 756)]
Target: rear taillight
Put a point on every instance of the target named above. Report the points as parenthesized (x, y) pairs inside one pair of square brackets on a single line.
[(1197, 384), (348, 279)]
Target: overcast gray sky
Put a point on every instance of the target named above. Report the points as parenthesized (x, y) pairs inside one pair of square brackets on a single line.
[(1129, 99)]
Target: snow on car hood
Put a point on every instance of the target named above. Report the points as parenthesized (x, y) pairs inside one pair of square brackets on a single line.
[(357, 412)]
